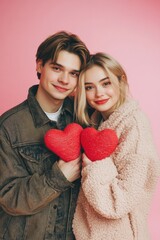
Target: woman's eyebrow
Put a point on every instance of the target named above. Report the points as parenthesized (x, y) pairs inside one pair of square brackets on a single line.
[(101, 80)]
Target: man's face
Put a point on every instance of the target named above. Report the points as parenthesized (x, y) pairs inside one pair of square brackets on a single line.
[(58, 79)]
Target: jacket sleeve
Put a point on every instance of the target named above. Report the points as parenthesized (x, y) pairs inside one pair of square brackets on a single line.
[(24, 194), (115, 185)]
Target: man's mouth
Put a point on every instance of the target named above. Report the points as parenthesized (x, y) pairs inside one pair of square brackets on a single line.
[(61, 89)]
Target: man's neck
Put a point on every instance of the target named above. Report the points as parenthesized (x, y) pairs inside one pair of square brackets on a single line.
[(48, 104)]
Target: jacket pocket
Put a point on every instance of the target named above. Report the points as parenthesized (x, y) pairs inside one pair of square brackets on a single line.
[(36, 157)]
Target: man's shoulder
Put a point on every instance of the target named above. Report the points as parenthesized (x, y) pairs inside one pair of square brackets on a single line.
[(13, 112), (69, 99), (69, 104)]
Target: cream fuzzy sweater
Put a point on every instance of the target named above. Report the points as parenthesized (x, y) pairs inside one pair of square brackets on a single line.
[(116, 192)]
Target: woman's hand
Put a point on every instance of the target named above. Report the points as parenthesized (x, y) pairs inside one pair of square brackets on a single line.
[(85, 160)]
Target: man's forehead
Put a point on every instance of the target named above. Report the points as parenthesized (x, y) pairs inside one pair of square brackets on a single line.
[(68, 60)]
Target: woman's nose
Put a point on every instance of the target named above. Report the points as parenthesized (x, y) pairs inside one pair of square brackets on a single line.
[(99, 92)]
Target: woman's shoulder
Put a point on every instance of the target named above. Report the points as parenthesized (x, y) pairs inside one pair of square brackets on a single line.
[(128, 115)]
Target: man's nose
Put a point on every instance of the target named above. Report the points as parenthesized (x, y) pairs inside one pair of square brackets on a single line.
[(64, 78)]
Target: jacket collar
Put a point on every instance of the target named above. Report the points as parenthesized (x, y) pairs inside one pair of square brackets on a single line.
[(38, 115)]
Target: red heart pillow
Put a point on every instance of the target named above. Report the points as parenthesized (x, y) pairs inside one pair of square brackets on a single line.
[(98, 144), (65, 143)]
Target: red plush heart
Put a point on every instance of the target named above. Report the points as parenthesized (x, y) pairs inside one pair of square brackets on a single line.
[(98, 144), (65, 143)]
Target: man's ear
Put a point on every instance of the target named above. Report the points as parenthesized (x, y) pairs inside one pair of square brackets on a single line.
[(39, 65)]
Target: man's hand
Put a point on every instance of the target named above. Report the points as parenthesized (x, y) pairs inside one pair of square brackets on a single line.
[(72, 169)]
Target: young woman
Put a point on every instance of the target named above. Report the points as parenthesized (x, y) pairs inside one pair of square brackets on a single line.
[(116, 191)]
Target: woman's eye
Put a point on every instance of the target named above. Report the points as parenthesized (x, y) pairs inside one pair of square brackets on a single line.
[(106, 83), (88, 88)]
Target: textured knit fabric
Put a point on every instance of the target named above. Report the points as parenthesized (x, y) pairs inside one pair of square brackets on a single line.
[(116, 192)]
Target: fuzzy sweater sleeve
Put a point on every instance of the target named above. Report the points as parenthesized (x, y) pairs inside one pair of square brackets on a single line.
[(115, 185)]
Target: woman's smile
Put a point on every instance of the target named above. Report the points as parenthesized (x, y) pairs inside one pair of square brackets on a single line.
[(103, 101)]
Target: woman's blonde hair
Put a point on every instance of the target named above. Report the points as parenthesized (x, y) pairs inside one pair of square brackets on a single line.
[(112, 68)]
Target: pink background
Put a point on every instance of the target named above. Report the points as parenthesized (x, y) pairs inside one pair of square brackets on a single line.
[(127, 29)]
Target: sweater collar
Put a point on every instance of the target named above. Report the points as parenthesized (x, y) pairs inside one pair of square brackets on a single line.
[(126, 109)]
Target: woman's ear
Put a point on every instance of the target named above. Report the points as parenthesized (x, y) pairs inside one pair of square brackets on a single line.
[(123, 77)]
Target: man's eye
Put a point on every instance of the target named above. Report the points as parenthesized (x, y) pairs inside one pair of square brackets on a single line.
[(75, 74), (57, 69)]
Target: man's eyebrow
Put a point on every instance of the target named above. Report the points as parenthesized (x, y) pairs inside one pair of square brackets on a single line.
[(101, 80), (77, 71), (55, 63)]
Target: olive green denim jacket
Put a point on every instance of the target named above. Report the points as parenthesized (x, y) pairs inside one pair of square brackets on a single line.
[(36, 200)]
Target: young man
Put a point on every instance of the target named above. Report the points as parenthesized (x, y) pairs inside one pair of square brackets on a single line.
[(38, 191)]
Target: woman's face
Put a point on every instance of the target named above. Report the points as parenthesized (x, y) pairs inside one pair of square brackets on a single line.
[(101, 93)]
